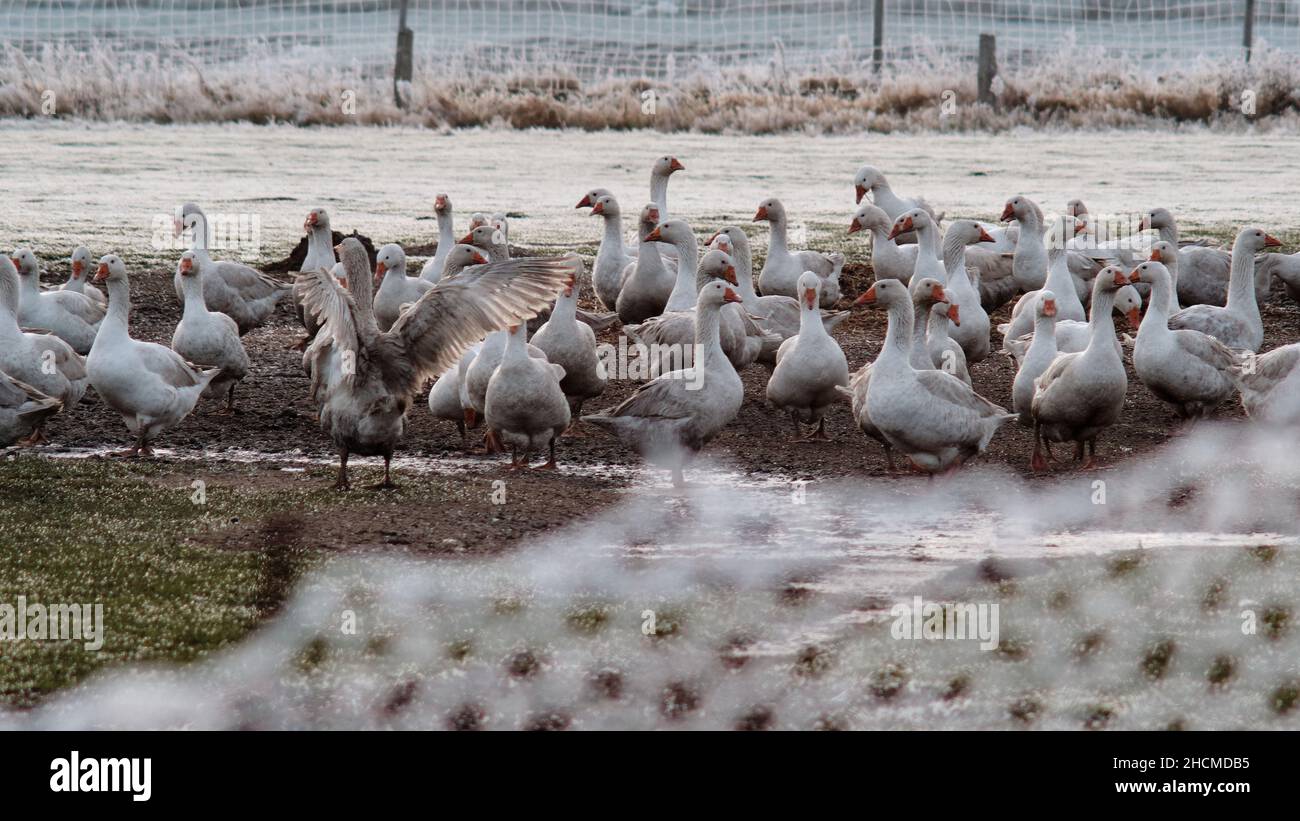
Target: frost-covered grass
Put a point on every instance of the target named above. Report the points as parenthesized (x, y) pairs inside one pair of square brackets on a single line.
[(1077, 88)]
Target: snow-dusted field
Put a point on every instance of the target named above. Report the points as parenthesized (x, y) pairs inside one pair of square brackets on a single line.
[(105, 184)]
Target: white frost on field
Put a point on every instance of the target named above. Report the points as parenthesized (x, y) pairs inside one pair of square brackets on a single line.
[(747, 633), (106, 185)]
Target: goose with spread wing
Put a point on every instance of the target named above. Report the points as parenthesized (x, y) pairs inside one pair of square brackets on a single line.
[(364, 403)]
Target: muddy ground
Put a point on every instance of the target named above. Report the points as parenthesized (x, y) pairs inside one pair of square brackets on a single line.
[(275, 419)]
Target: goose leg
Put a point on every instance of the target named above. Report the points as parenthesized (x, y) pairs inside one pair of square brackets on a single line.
[(342, 482), (820, 433), (230, 398), (36, 437), (1091, 462), (464, 434), (889, 457), (387, 484), (1037, 462), (550, 463), (515, 464)]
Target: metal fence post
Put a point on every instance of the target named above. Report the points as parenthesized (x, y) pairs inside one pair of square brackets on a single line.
[(988, 68), (878, 36), (402, 67), (1248, 30)]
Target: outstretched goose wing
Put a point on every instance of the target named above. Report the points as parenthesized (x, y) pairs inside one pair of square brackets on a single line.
[(461, 310)]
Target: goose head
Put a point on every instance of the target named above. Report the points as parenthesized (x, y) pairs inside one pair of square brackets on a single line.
[(1150, 271), (187, 265), (111, 269), (191, 218), (716, 293), (721, 242), (1046, 304), (606, 205), (1165, 253), (809, 289), (1156, 218), (718, 265), (673, 232), (870, 217), (354, 259), (1253, 240), (482, 236), (80, 262), (390, 258), (913, 220), (927, 291), (945, 312), (26, 263), (735, 237), (1129, 303), (1076, 208), (442, 204), (867, 179), (648, 220), (1016, 208), (589, 198), (969, 232), (461, 257), (770, 210), (666, 166), (316, 218), (886, 293)]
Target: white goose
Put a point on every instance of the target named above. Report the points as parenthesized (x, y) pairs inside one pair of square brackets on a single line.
[(646, 283), (671, 418), (1081, 394), (40, 360), (934, 350), (1029, 261), (364, 410), (1270, 385), (928, 261), (23, 409), (237, 290), (780, 315), (320, 254), (870, 179), (1040, 353), (931, 416), (1238, 323), (80, 274), (809, 366), (70, 316), (207, 338), (433, 268), (571, 345), (446, 395), (150, 385), (1060, 283), (889, 260), (782, 268), (525, 405), (1187, 369), (396, 289), (612, 257), (972, 333)]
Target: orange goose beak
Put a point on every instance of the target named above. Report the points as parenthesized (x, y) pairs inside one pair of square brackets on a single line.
[(868, 298)]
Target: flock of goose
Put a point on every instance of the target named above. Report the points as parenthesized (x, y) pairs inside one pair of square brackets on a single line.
[(375, 338)]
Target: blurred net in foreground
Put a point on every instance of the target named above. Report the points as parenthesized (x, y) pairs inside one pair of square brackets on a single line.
[(734, 607), (597, 39)]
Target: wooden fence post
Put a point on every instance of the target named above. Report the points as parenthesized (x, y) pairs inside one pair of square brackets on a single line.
[(988, 68), (1248, 29), (878, 36), (403, 66)]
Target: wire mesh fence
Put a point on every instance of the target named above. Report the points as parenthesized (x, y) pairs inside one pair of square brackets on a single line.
[(595, 39)]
